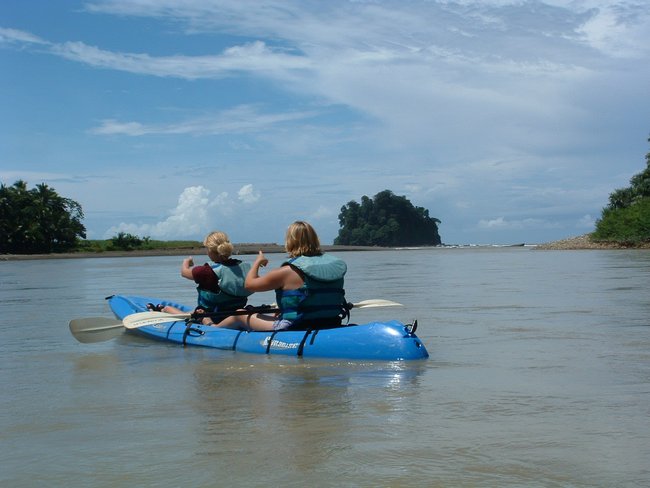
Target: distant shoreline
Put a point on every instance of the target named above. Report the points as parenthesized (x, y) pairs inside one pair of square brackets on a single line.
[(240, 249), (572, 243)]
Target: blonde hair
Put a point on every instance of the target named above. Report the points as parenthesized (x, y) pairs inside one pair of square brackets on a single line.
[(302, 240), (219, 244)]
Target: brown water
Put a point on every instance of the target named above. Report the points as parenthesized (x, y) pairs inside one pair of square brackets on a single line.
[(539, 376)]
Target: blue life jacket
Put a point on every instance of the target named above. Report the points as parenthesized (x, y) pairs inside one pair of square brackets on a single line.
[(232, 293), (321, 298)]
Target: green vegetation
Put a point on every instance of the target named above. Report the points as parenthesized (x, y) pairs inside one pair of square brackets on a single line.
[(626, 220), (386, 220), (128, 242), (38, 220)]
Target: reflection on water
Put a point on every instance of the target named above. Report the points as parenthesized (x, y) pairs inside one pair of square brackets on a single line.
[(539, 375), (305, 412)]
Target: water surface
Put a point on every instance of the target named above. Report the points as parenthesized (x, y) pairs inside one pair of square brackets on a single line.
[(539, 375)]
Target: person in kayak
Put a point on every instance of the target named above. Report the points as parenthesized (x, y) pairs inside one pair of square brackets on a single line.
[(220, 283), (308, 286)]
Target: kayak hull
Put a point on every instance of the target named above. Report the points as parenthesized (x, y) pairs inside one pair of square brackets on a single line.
[(390, 340)]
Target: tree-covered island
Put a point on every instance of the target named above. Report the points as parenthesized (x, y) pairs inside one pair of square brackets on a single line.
[(386, 220)]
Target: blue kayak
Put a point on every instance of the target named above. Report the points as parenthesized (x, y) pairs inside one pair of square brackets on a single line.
[(390, 340)]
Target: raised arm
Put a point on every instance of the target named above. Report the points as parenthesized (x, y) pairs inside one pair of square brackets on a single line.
[(272, 280), (186, 268)]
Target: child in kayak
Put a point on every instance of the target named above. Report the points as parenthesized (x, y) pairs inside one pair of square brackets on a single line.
[(220, 283)]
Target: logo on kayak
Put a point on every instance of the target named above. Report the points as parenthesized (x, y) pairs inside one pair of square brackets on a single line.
[(279, 344)]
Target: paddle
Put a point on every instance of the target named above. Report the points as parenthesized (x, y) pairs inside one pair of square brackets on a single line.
[(375, 302), (96, 329), (99, 329), (142, 319)]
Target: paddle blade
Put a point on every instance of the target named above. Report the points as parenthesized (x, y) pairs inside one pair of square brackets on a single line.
[(142, 319), (376, 302), (95, 329)]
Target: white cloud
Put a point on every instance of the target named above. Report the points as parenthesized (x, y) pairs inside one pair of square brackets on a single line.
[(500, 223), (113, 127), (323, 212), (237, 120), (397, 63), (9, 36), (193, 215), (247, 194), (223, 204), (254, 57), (190, 217), (618, 29)]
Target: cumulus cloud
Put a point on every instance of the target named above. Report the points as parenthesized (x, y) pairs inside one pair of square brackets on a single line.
[(190, 217), (247, 194), (193, 215), (223, 204)]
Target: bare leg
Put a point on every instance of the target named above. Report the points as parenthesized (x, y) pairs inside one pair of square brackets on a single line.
[(256, 321), (170, 309)]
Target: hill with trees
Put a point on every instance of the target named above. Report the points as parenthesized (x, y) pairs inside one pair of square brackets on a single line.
[(626, 219), (38, 220), (386, 220)]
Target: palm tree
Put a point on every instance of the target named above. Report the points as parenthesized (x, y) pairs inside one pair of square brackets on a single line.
[(38, 220)]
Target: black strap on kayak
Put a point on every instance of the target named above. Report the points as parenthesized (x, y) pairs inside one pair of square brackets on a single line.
[(301, 347), (270, 340), (188, 325), (313, 338), (189, 328), (412, 327), (234, 344)]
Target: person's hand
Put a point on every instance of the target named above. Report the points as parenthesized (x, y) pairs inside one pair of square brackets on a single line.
[(261, 260), (188, 262)]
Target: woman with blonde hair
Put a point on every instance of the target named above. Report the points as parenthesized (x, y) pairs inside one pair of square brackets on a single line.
[(308, 286), (220, 283)]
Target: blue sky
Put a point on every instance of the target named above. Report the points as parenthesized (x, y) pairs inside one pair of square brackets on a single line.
[(510, 121)]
